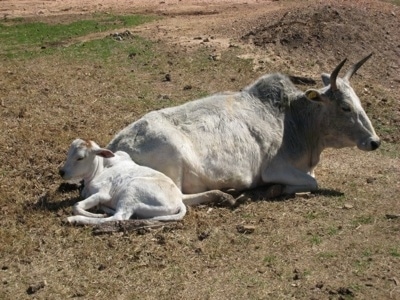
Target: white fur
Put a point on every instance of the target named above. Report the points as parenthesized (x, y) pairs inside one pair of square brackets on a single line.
[(115, 183), (269, 133), (124, 189)]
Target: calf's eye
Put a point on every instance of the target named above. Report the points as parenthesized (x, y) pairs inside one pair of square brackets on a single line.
[(79, 158)]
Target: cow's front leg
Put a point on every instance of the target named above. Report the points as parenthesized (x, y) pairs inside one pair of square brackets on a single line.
[(293, 189), (294, 180)]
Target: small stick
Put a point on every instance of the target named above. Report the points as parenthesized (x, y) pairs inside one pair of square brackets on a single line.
[(392, 216)]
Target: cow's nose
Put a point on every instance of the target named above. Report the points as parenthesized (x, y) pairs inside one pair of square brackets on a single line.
[(61, 172), (375, 144)]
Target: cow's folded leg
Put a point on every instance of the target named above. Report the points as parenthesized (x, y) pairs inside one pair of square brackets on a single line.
[(260, 193)]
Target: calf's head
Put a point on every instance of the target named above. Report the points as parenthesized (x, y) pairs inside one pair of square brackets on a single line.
[(81, 159), (345, 122)]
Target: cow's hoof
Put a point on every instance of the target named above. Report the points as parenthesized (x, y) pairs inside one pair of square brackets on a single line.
[(274, 191)]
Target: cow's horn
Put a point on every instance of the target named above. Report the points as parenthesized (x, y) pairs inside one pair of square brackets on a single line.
[(335, 74), (356, 66)]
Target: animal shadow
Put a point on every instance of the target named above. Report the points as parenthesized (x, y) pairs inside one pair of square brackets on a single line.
[(44, 203), (273, 193), (47, 202), (328, 193), (66, 187)]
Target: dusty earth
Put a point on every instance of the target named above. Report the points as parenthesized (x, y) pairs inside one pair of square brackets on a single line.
[(340, 243)]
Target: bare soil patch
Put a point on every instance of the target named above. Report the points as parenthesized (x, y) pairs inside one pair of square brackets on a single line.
[(339, 243), (331, 31)]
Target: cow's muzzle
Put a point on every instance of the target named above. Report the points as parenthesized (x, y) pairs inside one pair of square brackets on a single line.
[(370, 144)]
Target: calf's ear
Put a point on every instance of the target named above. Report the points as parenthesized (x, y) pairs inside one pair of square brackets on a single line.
[(104, 153), (314, 95)]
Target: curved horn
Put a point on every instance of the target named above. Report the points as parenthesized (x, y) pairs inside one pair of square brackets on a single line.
[(356, 66), (335, 74)]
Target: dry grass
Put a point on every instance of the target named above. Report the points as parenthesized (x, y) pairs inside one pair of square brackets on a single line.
[(337, 244)]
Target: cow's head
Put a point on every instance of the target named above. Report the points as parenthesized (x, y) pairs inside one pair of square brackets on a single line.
[(81, 157), (347, 123)]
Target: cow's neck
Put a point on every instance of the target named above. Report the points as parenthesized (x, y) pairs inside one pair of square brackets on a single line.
[(97, 168), (302, 137)]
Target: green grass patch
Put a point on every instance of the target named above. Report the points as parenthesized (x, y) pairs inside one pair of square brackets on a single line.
[(269, 259), (24, 39), (333, 230), (363, 220), (395, 252), (361, 265), (311, 215), (367, 253), (316, 240), (395, 2), (108, 49), (327, 255)]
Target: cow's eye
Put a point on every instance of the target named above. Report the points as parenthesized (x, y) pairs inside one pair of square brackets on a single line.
[(80, 158), (346, 109)]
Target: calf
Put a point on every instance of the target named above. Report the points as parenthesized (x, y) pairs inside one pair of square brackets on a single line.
[(121, 187)]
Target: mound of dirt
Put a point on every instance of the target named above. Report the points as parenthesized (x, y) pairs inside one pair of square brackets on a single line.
[(333, 32)]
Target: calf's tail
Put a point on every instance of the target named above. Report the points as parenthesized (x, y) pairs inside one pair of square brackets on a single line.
[(176, 217)]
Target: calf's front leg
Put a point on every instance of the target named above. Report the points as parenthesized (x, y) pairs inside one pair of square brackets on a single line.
[(81, 207)]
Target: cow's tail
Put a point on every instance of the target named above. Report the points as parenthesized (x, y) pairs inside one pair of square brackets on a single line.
[(213, 196)]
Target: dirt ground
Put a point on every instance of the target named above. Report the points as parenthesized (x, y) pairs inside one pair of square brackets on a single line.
[(340, 243)]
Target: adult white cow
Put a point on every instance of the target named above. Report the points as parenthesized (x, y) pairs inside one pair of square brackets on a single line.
[(269, 133)]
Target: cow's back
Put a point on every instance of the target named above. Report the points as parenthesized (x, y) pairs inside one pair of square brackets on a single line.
[(211, 143)]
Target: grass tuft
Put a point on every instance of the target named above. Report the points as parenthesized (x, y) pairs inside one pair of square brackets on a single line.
[(26, 40)]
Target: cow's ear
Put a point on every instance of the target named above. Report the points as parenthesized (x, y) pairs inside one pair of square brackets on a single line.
[(104, 153), (313, 95), (326, 79)]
